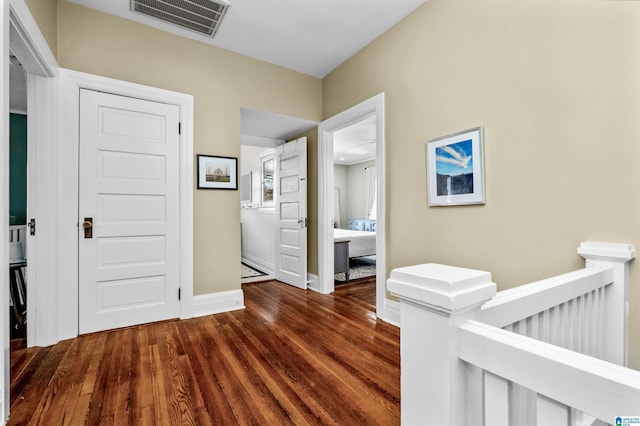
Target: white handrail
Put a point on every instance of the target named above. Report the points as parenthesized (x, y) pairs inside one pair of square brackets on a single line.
[(513, 305), (600, 388)]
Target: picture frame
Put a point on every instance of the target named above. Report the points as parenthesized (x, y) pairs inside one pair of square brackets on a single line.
[(217, 172), (455, 169)]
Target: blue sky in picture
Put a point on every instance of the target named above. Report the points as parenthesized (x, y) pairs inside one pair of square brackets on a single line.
[(454, 159)]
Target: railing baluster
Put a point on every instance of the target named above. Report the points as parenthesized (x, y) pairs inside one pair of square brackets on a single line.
[(574, 325), (600, 323), (552, 413), (496, 400), (591, 326), (579, 325), (546, 319), (534, 326)]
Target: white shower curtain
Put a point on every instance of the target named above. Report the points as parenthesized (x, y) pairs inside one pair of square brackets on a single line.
[(370, 192)]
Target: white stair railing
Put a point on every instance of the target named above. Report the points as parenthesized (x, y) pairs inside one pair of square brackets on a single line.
[(540, 354), (564, 383)]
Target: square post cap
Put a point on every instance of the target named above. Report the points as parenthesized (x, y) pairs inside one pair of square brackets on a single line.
[(610, 252), (442, 287)]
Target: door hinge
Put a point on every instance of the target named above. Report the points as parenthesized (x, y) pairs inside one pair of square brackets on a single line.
[(179, 128), (32, 227), (179, 294)]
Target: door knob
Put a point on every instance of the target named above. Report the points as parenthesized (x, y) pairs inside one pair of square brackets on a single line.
[(88, 227)]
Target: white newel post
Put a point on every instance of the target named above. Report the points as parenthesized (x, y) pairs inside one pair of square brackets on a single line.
[(616, 295), (434, 299)]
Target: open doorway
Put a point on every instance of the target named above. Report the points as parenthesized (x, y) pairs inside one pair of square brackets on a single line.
[(17, 203), (257, 213), (262, 134), (372, 108), (355, 195)]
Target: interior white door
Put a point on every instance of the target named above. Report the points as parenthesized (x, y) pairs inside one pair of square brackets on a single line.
[(128, 211), (291, 212)]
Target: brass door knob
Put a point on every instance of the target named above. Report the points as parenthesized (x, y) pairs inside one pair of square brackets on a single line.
[(87, 224)]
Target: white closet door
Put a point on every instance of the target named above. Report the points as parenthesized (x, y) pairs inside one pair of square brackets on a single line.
[(128, 211)]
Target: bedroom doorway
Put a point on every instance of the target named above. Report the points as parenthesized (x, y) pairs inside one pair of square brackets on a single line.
[(355, 195), (373, 109)]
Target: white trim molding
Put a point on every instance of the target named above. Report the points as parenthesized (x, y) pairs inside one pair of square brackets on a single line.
[(392, 312), (259, 264), (27, 42), (21, 36), (215, 303), (313, 283), (4, 210), (65, 287)]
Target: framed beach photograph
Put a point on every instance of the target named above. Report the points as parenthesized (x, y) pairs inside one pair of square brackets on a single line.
[(216, 172), (455, 169)]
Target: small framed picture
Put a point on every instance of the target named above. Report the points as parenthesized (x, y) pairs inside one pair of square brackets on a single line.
[(216, 172), (455, 169)]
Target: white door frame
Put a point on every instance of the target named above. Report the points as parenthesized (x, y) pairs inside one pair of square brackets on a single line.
[(4, 210), (21, 34), (326, 129), (71, 83)]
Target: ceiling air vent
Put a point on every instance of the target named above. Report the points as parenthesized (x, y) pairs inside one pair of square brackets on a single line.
[(203, 16)]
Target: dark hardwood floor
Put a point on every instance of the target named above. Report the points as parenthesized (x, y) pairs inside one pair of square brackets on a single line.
[(291, 357)]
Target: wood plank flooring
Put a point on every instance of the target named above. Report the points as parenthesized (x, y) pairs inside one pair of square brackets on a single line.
[(290, 357)]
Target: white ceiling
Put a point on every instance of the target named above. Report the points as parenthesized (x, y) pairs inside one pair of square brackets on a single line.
[(351, 145), (262, 128), (310, 36), (355, 143)]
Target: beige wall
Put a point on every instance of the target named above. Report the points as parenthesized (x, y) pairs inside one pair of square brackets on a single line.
[(555, 86), (221, 83), (45, 15), (357, 190)]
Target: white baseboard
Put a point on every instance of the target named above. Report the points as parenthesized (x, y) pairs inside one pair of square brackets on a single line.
[(259, 264), (313, 283), (392, 312), (257, 279), (215, 303)]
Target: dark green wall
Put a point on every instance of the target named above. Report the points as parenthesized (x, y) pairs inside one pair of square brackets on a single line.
[(18, 169)]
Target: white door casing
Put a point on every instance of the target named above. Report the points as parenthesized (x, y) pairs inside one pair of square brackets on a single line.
[(22, 34), (128, 205), (4, 209), (385, 308), (291, 212)]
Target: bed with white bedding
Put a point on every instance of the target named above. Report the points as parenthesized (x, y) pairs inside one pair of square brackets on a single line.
[(361, 243)]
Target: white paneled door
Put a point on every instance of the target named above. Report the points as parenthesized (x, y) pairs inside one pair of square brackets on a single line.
[(128, 211), (291, 213)]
